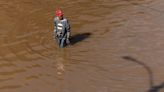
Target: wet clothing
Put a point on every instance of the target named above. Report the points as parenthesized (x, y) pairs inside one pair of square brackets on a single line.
[(61, 30)]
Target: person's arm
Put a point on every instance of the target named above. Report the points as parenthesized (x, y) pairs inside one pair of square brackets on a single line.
[(68, 29), (55, 28)]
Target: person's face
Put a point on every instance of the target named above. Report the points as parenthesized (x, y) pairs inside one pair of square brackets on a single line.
[(61, 17)]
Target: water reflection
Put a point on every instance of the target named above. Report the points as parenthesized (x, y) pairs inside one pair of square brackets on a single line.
[(60, 66), (61, 61)]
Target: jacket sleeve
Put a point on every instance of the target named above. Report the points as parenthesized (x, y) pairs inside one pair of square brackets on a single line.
[(68, 28), (55, 27)]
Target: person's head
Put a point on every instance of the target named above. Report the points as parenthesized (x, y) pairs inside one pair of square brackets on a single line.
[(59, 14)]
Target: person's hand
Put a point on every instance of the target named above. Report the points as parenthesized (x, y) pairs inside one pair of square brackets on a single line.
[(58, 33), (67, 41)]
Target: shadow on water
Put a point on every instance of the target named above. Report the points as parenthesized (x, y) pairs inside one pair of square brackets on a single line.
[(79, 37), (153, 88), (156, 88)]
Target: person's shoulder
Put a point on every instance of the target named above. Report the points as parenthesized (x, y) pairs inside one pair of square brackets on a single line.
[(65, 19), (56, 18)]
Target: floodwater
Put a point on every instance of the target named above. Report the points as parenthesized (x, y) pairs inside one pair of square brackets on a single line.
[(117, 46)]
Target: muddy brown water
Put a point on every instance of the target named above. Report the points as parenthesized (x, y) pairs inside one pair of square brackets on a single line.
[(117, 46)]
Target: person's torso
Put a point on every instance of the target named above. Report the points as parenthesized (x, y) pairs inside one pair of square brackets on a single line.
[(61, 25)]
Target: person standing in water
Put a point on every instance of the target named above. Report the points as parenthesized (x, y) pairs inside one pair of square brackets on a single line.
[(61, 29)]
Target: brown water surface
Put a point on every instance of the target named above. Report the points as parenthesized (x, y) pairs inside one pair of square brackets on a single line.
[(117, 46)]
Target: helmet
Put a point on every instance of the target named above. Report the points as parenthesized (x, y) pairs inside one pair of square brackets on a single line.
[(58, 13)]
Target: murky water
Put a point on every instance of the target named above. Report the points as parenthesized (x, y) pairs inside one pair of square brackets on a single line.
[(117, 46)]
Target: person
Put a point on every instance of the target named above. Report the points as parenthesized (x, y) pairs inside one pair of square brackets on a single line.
[(61, 29)]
